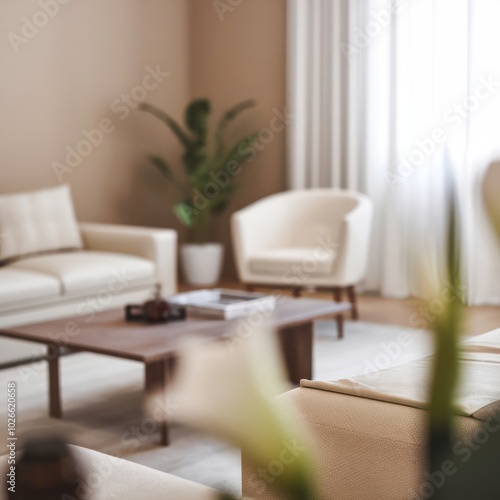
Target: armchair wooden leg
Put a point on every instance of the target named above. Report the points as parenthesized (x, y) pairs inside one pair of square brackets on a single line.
[(337, 294), (296, 292), (351, 292), (249, 288)]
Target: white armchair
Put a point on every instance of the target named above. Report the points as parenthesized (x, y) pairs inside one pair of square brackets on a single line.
[(315, 238)]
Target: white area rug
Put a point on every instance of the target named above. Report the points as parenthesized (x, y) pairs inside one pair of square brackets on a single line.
[(102, 400), (365, 347)]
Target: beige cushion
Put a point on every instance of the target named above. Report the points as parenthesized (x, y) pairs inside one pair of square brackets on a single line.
[(19, 285), (301, 259), (38, 221), (87, 271), (408, 384), (111, 478)]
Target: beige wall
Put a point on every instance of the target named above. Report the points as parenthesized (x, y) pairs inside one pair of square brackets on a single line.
[(239, 56), (67, 76)]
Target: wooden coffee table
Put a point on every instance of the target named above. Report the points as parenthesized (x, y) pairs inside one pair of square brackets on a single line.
[(157, 346)]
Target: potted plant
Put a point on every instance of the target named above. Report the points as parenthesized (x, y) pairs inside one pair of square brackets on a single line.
[(207, 182)]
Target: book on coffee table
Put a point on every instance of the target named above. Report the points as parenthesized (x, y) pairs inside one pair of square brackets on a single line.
[(222, 303)]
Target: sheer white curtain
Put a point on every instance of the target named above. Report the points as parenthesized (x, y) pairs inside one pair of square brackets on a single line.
[(391, 98)]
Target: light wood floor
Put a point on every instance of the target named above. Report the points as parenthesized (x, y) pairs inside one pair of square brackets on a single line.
[(404, 312)]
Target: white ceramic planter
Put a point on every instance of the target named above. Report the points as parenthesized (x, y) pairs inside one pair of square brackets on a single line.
[(202, 264)]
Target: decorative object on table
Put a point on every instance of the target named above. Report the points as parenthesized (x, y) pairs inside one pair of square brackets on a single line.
[(224, 304), (208, 183), (157, 310)]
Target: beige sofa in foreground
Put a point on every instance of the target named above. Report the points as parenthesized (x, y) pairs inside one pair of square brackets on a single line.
[(366, 447), (111, 478)]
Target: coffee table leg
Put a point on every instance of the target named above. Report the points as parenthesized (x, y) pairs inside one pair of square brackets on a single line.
[(156, 381), (340, 325), (297, 347), (55, 407)]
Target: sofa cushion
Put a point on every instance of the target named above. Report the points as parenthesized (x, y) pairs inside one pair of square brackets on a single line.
[(19, 285), (38, 221), (87, 271), (303, 259), (478, 392)]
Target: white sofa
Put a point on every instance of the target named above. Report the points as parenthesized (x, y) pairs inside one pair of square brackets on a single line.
[(117, 265), (51, 266), (310, 238)]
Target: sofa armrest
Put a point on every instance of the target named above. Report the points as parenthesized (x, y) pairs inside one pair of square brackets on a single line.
[(361, 448), (355, 244), (259, 226), (157, 245)]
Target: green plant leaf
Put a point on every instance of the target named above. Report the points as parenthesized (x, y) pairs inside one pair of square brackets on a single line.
[(162, 166), (219, 205), (199, 164), (447, 328), (478, 476), (167, 172), (240, 152), (186, 214), (231, 188), (197, 118), (170, 122), (228, 117), (193, 158)]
